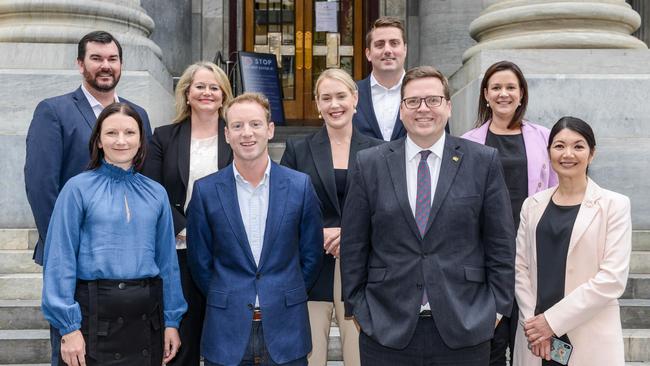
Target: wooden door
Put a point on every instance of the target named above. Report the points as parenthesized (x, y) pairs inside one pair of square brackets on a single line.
[(307, 37)]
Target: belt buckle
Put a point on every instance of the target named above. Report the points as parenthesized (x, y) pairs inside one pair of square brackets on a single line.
[(257, 315), (426, 314)]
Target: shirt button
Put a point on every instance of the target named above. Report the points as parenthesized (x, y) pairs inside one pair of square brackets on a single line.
[(539, 185), (258, 276), (144, 316), (117, 356), (121, 286), (250, 306), (145, 352), (543, 166), (120, 320)]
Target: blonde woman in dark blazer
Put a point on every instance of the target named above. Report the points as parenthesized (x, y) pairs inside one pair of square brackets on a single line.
[(190, 148), (325, 156), (573, 255)]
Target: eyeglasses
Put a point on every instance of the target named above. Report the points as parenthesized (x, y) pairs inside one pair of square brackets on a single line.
[(431, 101)]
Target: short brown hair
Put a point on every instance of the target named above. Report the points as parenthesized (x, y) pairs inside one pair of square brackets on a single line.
[(97, 154), (385, 22), (253, 98), (421, 72)]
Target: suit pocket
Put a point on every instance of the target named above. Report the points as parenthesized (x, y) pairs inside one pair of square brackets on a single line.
[(295, 296), (376, 274), (475, 274), (217, 299)]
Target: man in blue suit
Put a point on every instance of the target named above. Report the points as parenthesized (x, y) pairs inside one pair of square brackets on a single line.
[(255, 239), (57, 140), (427, 240), (379, 94)]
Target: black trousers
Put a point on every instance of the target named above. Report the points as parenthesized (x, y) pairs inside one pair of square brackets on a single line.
[(504, 337), (425, 349), (122, 321), (192, 323)]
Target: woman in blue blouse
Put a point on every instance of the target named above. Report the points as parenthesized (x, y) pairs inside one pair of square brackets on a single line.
[(110, 283)]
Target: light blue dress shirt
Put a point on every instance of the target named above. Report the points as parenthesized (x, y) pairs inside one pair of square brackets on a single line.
[(109, 223)]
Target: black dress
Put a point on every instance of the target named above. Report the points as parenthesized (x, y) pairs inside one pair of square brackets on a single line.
[(553, 235)]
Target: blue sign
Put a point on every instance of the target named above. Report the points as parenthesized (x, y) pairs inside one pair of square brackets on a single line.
[(259, 74)]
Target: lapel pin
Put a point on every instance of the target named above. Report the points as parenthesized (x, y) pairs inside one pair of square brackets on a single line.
[(455, 159)]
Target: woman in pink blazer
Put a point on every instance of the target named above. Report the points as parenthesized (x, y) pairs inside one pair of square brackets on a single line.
[(573, 253), (522, 149)]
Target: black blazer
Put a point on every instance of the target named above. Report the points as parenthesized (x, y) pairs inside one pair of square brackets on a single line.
[(366, 121), (312, 155), (168, 163)]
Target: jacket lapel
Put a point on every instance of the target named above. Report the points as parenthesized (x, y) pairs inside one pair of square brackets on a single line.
[(225, 152), (227, 192), (184, 143), (84, 107), (396, 160), (452, 157), (588, 210), (278, 192), (321, 151), (365, 104)]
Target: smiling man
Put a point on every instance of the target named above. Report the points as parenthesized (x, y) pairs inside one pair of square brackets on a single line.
[(255, 237), (57, 140), (427, 239)]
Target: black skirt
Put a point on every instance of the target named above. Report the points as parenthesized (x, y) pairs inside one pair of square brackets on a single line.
[(122, 321)]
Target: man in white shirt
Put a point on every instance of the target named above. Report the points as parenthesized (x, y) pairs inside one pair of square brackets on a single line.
[(379, 94), (427, 239), (255, 237), (57, 139)]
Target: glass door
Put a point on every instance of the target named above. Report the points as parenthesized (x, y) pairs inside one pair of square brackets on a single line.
[(306, 37)]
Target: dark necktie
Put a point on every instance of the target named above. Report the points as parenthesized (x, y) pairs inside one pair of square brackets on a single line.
[(423, 201)]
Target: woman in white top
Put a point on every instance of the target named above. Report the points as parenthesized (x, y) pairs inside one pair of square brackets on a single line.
[(190, 148)]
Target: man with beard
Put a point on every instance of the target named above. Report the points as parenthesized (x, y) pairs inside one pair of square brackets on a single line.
[(57, 140)]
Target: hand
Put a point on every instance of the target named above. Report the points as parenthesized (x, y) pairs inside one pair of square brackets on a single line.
[(171, 345), (73, 349), (332, 236), (537, 330), (542, 350)]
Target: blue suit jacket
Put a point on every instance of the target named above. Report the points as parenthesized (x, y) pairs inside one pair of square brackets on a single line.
[(366, 121), (57, 150), (464, 260), (223, 266)]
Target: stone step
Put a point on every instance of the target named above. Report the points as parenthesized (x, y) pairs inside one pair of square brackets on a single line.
[(24, 346), (21, 314), (21, 286), (18, 261), (640, 262), (638, 287), (641, 240), (635, 313), (18, 239), (637, 345)]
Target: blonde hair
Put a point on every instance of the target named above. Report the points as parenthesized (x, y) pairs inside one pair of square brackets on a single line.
[(252, 98), (338, 75), (182, 108)]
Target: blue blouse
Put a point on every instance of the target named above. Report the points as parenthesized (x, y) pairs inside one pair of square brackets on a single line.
[(117, 224)]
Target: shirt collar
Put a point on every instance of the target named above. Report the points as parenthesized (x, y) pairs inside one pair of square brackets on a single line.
[(375, 83), (412, 150), (265, 179), (92, 100)]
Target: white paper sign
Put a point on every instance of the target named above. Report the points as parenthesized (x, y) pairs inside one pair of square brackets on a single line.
[(327, 16)]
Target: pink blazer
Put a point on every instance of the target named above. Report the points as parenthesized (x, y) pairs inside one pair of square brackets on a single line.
[(596, 274), (540, 174)]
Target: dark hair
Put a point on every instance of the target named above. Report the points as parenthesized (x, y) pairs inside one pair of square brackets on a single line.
[(485, 112), (97, 154), (420, 72), (385, 22), (99, 37), (578, 126)]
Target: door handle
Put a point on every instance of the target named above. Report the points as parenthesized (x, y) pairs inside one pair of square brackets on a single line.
[(299, 51), (308, 50)]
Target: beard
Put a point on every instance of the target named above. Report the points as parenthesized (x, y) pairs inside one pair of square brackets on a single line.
[(106, 87)]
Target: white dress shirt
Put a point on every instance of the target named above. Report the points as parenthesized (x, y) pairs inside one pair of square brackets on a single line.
[(254, 207), (434, 160), (94, 103), (385, 103)]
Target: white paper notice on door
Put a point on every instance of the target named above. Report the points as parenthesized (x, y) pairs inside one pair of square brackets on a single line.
[(327, 16)]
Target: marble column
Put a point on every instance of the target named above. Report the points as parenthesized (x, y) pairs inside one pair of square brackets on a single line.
[(561, 24), (580, 60), (38, 44)]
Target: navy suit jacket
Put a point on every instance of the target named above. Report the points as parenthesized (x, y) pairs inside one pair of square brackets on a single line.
[(365, 119), (57, 150), (224, 268), (465, 259)]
